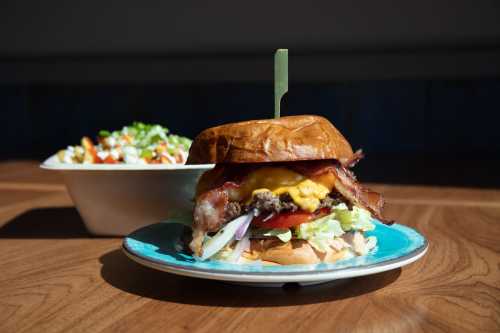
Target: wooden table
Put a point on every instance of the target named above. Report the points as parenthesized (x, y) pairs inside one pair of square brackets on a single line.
[(54, 277)]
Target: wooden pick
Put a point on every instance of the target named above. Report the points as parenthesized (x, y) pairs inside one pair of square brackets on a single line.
[(280, 78)]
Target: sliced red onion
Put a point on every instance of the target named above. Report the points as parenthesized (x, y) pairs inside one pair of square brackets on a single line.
[(244, 227), (223, 236), (241, 246)]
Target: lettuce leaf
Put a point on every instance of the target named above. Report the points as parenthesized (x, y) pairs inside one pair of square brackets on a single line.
[(355, 219), (326, 226), (284, 235), (320, 232)]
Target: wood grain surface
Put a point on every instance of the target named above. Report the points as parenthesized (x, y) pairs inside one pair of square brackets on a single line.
[(54, 277)]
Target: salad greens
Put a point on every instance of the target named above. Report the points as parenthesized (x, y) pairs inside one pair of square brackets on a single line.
[(104, 133), (138, 143), (143, 135)]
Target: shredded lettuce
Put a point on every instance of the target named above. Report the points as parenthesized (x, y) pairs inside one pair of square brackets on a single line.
[(325, 226), (355, 219), (320, 232), (340, 206), (284, 235)]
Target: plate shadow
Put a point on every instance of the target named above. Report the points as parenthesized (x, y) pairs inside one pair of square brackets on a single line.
[(128, 276)]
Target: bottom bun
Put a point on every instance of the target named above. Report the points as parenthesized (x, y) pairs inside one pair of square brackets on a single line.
[(296, 251)]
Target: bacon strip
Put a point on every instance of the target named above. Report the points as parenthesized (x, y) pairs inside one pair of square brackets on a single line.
[(210, 213), (355, 158), (358, 195), (209, 209)]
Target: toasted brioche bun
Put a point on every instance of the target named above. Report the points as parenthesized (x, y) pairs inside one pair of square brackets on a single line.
[(295, 251), (284, 139)]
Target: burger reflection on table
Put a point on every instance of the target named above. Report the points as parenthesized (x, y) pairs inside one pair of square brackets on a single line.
[(281, 192)]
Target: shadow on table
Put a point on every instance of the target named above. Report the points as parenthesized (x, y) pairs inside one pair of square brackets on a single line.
[(126, 275), (46, 223)]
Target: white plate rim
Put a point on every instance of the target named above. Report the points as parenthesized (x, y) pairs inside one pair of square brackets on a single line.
[(52, 163)]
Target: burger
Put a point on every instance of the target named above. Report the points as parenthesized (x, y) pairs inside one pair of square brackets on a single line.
[(281, 192)]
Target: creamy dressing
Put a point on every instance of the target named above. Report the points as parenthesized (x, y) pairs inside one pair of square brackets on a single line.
[(103, 154), (114, 154)]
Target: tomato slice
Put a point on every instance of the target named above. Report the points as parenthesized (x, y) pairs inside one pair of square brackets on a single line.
[(282, 220), (288, 219)]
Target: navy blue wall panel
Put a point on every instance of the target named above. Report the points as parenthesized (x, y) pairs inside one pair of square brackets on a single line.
[(401, 125)]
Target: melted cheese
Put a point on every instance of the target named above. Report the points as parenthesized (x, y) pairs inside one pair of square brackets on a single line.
[(306, 193)]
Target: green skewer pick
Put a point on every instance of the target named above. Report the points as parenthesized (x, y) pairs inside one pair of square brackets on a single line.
[(280, 78)]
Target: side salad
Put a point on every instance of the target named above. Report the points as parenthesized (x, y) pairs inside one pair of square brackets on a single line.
[(138, 143)]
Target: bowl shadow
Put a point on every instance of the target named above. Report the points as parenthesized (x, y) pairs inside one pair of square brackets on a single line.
[(128, 276), (51, 223)]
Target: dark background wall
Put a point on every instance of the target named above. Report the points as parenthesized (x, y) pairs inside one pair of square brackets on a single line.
[(416, 85), (413, 131)]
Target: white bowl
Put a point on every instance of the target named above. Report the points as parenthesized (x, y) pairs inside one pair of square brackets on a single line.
[(116, 199)]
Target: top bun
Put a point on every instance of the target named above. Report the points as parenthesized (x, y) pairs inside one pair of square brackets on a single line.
[(294, 138)]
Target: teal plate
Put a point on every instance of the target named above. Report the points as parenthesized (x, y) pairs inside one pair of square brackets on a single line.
[(159, 246)]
